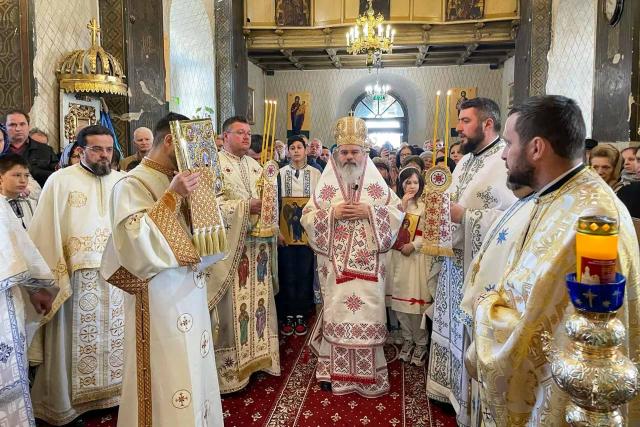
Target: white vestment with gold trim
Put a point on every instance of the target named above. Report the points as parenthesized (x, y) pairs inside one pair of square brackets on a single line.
[(151, 245), (79, 349), (241, 288), (480, 186)]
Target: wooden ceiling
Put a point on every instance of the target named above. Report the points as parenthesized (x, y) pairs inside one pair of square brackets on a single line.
[(416, 45)]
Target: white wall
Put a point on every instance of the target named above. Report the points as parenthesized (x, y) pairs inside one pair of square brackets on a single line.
[(60, 27), (572, 53), (256, 82), (333, 92)]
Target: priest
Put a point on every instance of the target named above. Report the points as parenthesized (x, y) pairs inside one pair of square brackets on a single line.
[(27, 289), (79, 349), (351, 220), (242, 287), (478, 194), (169, 375), (516, 286)]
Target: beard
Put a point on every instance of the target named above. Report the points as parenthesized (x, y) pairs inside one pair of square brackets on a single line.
[(520, 175), (469, 143), (100, 168), (349, 172)]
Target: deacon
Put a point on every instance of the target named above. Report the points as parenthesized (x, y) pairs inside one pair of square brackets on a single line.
[(247, 339), (296, 260), (352, 219), (79, 349), (516, 295), (169, 375), (478, 194), (26, 290)]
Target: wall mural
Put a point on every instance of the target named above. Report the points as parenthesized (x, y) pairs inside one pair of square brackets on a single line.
[(379, 6), (460, 10), (293, 13)]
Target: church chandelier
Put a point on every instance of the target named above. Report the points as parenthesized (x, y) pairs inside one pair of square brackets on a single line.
[(377, 92), (370, 36)]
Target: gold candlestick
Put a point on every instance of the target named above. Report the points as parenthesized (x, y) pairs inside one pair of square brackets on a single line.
[(598, 377)]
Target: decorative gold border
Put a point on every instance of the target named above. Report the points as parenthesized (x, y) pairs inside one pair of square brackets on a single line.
[(165, 214)]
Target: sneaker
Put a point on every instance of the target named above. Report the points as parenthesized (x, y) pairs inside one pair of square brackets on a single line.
[(287, 327), (300, 328), (405, 353), (419, 355)]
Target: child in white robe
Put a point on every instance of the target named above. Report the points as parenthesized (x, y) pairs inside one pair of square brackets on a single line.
[(407, 269)]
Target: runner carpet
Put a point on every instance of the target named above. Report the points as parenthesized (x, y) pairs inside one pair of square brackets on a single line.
[(295, 398)]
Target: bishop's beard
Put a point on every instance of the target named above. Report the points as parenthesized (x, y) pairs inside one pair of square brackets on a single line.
[(350, 174)]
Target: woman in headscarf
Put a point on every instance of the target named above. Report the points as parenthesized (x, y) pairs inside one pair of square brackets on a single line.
[(70, 156), (4, 140)]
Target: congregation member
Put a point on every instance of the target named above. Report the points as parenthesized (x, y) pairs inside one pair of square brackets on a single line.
[(478, 195), (351, 220), (605, 160), (404, 151), (408, 270), (314, 154), (27, 290), (414, 161), (326, 153), (70, 155), (629, 194), (77, 371), (170, 376), (40, 157), (280, 153), (39, 135), (629, 165), (455, 152), (14, 182), (142, 141), (383, 167), (295, 299), (516, 288), (242, 286), (4, 140)]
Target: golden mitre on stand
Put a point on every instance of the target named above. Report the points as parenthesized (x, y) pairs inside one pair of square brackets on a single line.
[(196, 151)]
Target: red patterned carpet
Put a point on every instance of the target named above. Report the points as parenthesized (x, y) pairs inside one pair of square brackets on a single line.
[(295, 398)]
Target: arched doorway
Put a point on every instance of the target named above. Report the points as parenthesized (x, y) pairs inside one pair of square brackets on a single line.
[(386, 119)]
